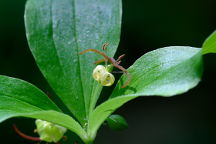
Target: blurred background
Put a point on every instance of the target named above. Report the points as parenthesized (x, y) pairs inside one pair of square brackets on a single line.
[(147, 25)]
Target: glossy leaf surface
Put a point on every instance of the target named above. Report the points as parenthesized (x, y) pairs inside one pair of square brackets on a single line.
[(19, 98), (163, 72), (57, 31)]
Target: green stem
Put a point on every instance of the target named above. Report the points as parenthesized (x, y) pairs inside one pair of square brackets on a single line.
[(88, 140)]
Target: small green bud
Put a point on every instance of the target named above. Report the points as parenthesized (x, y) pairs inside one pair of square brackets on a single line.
[(109, 68), (117, 122), (49, 132)]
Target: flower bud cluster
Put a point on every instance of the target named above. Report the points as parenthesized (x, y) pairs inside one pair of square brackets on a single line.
[(103, 76)]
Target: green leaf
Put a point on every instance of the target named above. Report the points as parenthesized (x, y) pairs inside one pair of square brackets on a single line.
[(57, 30), (163, 72), (117, 122), (60, 119), (19, 98), (209, 46), (17, 95)]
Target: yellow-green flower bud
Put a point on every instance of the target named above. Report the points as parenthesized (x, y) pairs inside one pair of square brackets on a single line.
[(101, 74), (107, 79), (49, 132), (98, 72)]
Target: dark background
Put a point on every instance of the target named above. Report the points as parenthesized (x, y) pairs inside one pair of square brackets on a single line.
[(147, 25)]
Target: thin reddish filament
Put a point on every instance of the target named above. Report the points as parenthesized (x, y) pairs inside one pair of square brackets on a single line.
[(24, 135), (120, 57), (111, 60), (128, 80), (96, 51), (104, 46), (100, 61)]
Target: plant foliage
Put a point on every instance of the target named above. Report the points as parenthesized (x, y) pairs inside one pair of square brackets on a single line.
[(57, 31)]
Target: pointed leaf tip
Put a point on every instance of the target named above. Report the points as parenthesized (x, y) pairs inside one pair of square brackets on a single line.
[(209, 46)]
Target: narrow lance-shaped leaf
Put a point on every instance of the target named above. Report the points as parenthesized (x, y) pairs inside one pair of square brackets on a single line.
[(163, 72), (57, 30), (19, 98), (209, 46)]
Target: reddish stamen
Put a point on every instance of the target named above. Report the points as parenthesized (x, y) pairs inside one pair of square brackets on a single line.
[(120, 57), (104, 46)]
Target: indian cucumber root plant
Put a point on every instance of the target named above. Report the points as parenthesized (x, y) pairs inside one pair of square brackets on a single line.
[(65, 38)]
